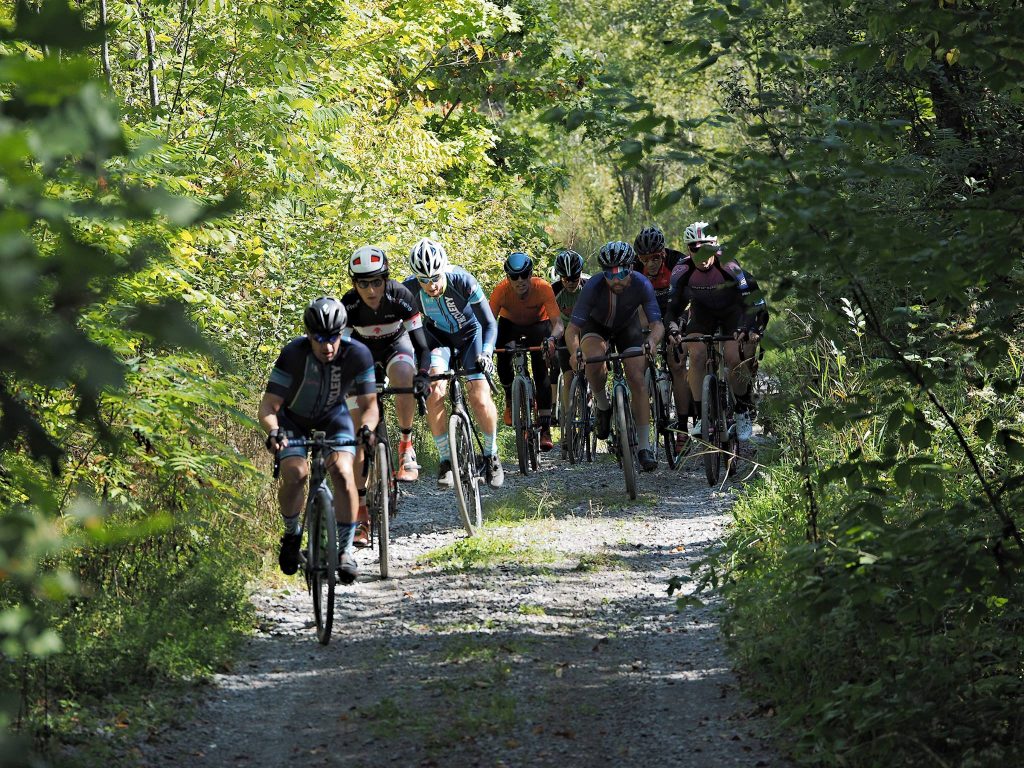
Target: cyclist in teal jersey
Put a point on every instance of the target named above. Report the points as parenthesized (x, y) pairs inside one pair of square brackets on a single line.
[(458, 321)]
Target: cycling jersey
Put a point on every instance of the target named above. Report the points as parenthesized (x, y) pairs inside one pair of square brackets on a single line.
[(615, 311), (536, 306), (314, 391), (566, 299), (662, 284), (717, 290), (460, 310), (380, 329)]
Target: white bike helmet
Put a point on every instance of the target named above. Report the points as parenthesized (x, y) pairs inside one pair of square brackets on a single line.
[(697, 233), (368, 261), (428, 258)]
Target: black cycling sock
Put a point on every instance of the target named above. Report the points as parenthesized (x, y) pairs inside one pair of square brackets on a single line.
[(743, 403), (696, 408), (291, 525), (407, 432)]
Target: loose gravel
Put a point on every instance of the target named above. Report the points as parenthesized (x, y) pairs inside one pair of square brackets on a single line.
[(549, 640)]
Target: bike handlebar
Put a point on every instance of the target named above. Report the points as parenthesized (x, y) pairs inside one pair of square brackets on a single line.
[(421, 397)]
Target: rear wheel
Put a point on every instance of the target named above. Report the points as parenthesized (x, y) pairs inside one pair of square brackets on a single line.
[(710, 429), (322, 561), (577, 421), (521, 424), (626, 441), (533, 433), (467, 486), (378, 500)]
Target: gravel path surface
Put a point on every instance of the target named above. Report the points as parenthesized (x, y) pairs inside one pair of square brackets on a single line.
[(549, 640)]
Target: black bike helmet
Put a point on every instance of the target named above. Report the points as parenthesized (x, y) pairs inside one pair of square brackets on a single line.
[(650, 240), (616, 254), (518, 265), (325, 316), (568, 264)]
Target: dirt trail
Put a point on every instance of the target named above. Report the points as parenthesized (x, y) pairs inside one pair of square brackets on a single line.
[(558, 647)]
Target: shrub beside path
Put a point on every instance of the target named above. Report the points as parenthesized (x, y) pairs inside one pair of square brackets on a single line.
[(549, 640)]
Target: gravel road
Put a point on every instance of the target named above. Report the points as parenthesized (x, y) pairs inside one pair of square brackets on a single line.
[(549, 640)]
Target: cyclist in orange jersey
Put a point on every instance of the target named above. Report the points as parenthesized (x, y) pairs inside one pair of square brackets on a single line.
[(525, 306)]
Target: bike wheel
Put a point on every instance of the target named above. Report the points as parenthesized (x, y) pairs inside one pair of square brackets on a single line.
[(670, 421), (533, 443), (467, 486), (710, 430), (378, 501), (656, 410), (727, 427), (382, 437), (521, 424), (590, 436), (576, 421), (626, 443), (323, 564)]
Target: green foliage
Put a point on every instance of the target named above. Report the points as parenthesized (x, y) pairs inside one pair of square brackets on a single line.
[(237, 155)]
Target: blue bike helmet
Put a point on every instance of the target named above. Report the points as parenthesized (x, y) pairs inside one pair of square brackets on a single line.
[(518, 265)]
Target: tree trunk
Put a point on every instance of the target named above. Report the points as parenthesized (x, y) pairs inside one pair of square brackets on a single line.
[(105, 46)]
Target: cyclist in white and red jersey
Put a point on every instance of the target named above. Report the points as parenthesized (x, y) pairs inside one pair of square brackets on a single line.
[(382, 315)]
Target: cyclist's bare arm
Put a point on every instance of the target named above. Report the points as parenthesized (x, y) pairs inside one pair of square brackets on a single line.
[(367, 405), (572, 342), (270, 405), (657, 334)]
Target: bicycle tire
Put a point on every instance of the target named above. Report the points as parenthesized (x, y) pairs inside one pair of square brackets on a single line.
[(322, 542), (576, 421), (464, 471), (521, 424), (730, 441), (627, 445), (669, 432), (533, 434), (392, 454), (378, 500), (655, 415), (710, 431)]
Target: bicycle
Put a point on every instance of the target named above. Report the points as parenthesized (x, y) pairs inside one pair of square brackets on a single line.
[(466, 461), (381, 484), (622, 441), (524, 399), (581, 440), (664, 423), (718, 410), (318, 560)]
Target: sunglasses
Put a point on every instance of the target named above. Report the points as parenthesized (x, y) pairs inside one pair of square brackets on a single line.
[(327, 338), (656, 256), (433, 280), (617, 273), (518, 278), (572, 278), (376, 282)]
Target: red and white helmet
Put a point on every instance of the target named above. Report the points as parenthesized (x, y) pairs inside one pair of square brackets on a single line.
[(697, 233), (368, 261)]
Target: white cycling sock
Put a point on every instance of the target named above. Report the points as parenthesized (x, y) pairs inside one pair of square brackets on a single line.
[(444, 452)]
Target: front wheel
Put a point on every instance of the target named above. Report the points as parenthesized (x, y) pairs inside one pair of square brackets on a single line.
[(378, 500), (521, 424), (467, 485), (576, 421), (322, 561), (710, 429), (626, 443)]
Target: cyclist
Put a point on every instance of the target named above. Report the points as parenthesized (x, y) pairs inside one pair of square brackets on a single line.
[(656, 261), (719, 296), (457, 320), (382, 315), (569, 271), (306, 392), (525, 306), (606, 314)]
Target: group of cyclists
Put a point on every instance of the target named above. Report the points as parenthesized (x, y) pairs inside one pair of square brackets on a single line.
[(645, 296)]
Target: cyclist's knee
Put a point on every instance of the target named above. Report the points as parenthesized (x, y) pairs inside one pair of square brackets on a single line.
[(294, 473)]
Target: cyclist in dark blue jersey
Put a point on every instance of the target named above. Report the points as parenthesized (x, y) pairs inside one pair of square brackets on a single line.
[(307, 389), (607, 314), (458, 321)]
